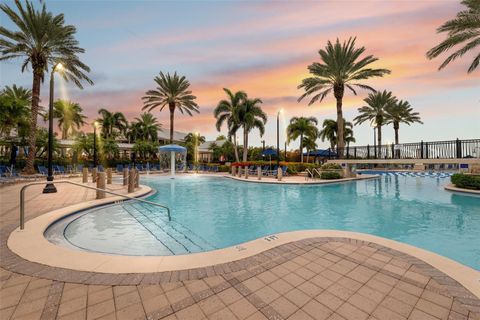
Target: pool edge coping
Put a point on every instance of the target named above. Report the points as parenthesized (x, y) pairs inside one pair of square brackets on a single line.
[(31, 245), (451, 187)]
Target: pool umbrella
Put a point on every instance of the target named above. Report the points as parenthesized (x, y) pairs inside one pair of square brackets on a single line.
[(172, 148), (269, 152)]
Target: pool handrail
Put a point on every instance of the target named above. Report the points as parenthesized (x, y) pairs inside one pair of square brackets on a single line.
[(22, 197)]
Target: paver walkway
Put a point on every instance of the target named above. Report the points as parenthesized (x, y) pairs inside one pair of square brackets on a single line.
[(321, 278)]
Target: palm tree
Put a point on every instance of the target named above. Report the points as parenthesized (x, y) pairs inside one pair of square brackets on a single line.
[(249, 115), (225, 111), (401, 112), (147, 126), (302, 127), (462, 31), (172, 91), (14, 109), (193, 141), (69, 115), (112, 123), (43, 40), (340, 67), (309, 143), (375, 111), (329, 132)]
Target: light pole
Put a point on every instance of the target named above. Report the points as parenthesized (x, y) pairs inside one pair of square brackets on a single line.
[(50, 187), (95, 123), (278, 137), (374, 126)]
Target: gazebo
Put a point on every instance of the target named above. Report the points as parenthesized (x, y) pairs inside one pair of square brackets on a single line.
[(173, 149)]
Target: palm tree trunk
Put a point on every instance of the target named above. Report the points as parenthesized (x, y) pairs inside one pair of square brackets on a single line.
[(235, 147), (301, 147), (172, 118), (32, 134), (379, 140), (245, 144), (396, 126), (338, 92)]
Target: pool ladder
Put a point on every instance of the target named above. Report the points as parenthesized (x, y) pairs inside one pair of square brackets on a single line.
[(310, 174), (22, 197)]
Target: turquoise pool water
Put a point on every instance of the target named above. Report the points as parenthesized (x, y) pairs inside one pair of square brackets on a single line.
[(216, 212)]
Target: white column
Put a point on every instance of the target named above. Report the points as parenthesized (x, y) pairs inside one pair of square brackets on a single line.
[(172, 163)]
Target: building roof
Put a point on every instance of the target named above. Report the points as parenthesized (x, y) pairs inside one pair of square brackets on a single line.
[(177, 135), (205, 147)]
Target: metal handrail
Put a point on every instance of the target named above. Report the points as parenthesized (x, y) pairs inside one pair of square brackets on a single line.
[(318, 172), (22, 197), (310, 174)]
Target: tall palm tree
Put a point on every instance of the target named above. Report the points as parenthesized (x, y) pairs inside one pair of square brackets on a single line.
[(112, 123), (329, 132), (401, 112), (148, 126), (14, 109), (340, 67), (375, 111), (302, 127), (193, 141), (42, 40), (463, 32), (69, 115), (249, 115), (172, 91), (225, 111)]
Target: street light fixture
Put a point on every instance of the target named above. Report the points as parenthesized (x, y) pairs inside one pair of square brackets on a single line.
[(278, 137), (50, 187)]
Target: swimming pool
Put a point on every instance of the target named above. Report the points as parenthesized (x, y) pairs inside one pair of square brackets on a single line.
[(216, 212)]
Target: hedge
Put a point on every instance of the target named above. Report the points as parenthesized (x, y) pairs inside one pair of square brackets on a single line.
[(466, 181), (330, 175), (331, 166), (292, 167)]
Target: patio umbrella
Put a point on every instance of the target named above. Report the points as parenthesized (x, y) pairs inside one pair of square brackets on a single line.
[(269, 152)]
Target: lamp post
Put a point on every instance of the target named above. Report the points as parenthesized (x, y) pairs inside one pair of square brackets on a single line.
[(50, 187), (374, 126), (95, 123), (278, 137)]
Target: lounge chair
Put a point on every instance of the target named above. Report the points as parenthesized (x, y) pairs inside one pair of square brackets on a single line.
[(119, 168)]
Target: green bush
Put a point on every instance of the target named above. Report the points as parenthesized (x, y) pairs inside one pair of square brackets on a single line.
[(466, 181), (330, 175), (331, 166)]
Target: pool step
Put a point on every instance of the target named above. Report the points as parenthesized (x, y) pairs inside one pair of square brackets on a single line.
[(175, 237)]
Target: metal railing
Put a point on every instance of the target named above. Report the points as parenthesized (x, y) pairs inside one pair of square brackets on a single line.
[(450, 149), (22, 197)]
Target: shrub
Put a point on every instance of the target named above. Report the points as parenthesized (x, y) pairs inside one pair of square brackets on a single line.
[(330, 175), (466, 181), (331, 166)]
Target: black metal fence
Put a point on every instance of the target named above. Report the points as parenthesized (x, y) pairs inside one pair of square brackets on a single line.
[(452, 149)]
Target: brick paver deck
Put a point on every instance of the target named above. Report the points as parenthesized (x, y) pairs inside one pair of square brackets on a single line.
[(320, 278)]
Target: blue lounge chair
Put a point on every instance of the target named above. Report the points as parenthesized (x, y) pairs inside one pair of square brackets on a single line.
[(42, 170), (215, 169), (140, 167), (119, 168), (100, 168), (79, 168), (3, 171)]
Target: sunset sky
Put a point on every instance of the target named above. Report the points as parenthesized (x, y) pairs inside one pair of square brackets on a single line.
[(264, 48)]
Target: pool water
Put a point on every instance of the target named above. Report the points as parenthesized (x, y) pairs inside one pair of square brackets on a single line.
[(217, 212)]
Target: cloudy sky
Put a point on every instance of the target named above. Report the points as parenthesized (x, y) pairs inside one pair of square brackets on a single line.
[(264, 48)]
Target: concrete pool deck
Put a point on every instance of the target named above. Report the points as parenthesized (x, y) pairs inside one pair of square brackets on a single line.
[(321, 277)]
